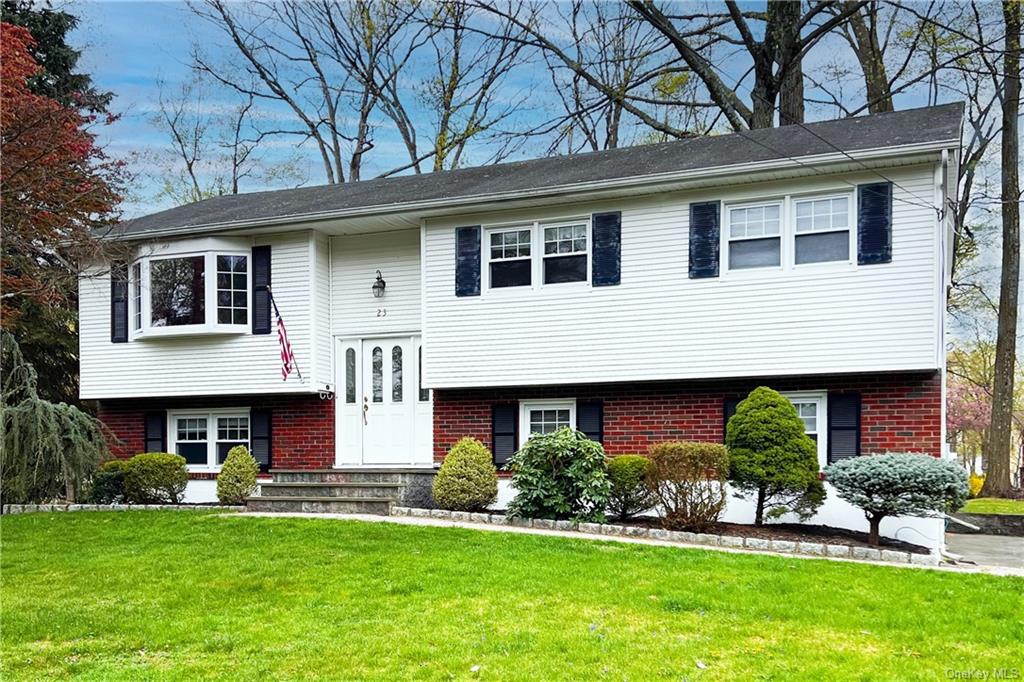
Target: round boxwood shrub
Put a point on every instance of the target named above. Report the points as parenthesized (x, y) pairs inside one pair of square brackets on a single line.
[(772, 458), (237, 478), (155, 478), (467, 479), (899, 484), (108, 483), (688, 481), (560, 475), (629, 494)]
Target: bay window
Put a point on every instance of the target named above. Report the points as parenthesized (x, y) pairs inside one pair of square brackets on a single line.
[(195, 293), (204, 437)]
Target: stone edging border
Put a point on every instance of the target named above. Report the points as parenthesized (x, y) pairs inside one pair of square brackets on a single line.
[(30, 508), (814, 549)]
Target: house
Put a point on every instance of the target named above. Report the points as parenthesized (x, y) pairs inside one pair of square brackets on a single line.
[(636, 294)]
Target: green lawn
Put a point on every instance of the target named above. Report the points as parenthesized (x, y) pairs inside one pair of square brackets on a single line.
[(175, 595), (993, 505)]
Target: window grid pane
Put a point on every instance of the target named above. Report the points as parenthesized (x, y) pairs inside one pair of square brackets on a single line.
[(350, 375), (548, 420), (233, 428), (823, 215), (232, 290), (191, 429), (754, 221), (510, 244), (809, 415), (565, 239)]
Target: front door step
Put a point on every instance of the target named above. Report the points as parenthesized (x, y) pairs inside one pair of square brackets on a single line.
[(343, 491)]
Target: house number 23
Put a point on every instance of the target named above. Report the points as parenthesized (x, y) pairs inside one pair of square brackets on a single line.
[(382, 312)]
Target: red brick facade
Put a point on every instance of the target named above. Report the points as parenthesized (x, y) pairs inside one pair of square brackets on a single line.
[(899, 412), (302, 426)]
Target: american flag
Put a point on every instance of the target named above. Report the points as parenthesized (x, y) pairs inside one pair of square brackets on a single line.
[(287, 356), (288, 362)]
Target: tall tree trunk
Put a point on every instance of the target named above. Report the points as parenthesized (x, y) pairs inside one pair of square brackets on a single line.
[(759, 510), (997, 477), (865, 44), (784, 21)]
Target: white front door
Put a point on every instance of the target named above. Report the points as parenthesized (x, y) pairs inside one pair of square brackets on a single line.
[(384, 418)]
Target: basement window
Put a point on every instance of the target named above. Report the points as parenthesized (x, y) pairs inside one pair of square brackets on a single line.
[(204, 437)]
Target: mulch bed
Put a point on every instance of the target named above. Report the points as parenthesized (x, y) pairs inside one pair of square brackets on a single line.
[(791, 531)]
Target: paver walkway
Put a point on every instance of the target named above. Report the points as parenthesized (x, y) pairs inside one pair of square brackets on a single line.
[(423, 521)]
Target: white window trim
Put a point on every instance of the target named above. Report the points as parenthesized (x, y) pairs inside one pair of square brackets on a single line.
[(211, 465), (787, 234), (525, 406), (851, 223), (488, 260), (536, 228), (821, 398), (211, 326)]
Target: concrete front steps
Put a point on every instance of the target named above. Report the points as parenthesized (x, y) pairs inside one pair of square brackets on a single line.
[(341, 491)]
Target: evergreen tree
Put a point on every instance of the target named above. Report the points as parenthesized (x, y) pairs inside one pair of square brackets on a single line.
[(50, 450), (771, 457)]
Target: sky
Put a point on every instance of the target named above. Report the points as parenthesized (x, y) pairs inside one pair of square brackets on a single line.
[(129, 47)]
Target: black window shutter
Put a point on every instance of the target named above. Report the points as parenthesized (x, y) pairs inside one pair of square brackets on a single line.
[(607, 257), (156, 432), (874, 223), (728, 410), (504, 432), (259, 437), (118, 302), (467, 261), (260, 296), (590, 419), (843, 426), (704, 239)]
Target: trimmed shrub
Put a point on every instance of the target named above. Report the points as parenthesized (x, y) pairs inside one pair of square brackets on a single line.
[(237, 478), (467, 479), (108, 483), (155, 478), (975, 483), (772, 458), (687, 479), (899, 484), (629, 494), (560, 475)]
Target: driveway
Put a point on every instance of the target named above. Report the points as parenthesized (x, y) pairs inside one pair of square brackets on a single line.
[(988, 550)]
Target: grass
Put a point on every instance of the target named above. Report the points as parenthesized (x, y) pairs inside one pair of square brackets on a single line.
[(993, 505), (175, 595)]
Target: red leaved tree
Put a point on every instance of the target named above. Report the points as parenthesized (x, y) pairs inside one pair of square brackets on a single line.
[(58, 194)]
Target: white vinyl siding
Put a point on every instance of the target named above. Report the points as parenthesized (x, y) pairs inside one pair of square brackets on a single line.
[(658, 324), (200, 364), (354, 262)]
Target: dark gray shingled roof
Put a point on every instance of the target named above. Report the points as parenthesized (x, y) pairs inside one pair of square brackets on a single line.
[(909, 127)]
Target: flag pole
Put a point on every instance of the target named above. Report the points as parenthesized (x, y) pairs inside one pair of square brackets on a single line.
[(277, 313)]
